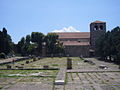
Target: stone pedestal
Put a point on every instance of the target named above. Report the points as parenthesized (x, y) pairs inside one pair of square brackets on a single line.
[(69, 63)]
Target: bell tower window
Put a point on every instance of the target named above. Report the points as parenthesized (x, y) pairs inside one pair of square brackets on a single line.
[(96, 28), (101, 27)]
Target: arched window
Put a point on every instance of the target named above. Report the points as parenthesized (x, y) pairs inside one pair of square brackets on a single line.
[(96, 28), (101, 27)]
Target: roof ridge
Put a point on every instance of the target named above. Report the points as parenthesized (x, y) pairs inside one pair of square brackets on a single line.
[(97, 21)]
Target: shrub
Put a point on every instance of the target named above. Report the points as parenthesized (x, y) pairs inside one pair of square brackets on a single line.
[(2, 55)]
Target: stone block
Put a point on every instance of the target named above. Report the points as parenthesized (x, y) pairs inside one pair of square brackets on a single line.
[(45, 66), (59, 82), (27, 62), (9, 66)]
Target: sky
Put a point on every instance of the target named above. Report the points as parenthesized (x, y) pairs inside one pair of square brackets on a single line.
[(21, 17)]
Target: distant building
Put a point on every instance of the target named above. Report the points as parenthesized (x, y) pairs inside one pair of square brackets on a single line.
[(82, 43)]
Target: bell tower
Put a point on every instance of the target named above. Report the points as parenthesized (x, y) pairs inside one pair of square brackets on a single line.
[(97, 29)]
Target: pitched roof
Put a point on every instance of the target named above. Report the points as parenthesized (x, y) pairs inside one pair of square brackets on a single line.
[(98, 22), (75, 43), (63, 35)]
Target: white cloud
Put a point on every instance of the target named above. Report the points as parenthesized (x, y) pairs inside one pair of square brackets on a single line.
[(67, 29)]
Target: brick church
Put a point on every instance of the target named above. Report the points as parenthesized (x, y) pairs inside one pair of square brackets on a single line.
[(82, 43)]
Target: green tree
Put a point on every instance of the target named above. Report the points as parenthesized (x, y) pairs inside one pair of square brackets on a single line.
[(37, 38), (109, 45), (99, 47), (5, 42), (116, 43), (51, 41), (20, 45), (32, 45), (32, 49), (28, 39), (53, 44)]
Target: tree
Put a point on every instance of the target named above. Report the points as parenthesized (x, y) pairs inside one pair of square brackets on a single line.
[(109, 45), (28, 39), (32, 44), (51, 41), (32, 49), (53, 44), (38, 38), (5, 42), (20, 45), (116, 43), (99, 47)]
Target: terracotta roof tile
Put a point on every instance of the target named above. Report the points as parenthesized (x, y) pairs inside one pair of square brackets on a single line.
[(73, 35), (98, 22)]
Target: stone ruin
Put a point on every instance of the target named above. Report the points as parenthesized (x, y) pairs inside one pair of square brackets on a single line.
[(69, 63)]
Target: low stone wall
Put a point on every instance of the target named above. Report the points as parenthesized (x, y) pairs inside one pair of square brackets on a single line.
[(32, 69), (17, 59)]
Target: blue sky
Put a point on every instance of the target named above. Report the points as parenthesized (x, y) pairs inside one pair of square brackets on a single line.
[(21, 17)]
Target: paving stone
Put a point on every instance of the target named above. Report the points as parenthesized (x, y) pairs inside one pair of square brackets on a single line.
[(59, 87), (94, 78), (87, 87), (69, 78), (78, 87), (100, 80), (31, 86), (105, 77), (69, 87), (97, 87), (91, 81), (113, 75), (83, 79), (107, 87), (75, 77), (117, 87), (103, 80)]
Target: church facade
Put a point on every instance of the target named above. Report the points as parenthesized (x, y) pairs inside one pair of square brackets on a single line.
[(82, 43)]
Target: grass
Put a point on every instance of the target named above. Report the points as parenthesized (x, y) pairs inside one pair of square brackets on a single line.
[(43, 79), (37, 79), (5, 73), (54, 64), (71, 76), (1, 87), (93, 88), (66, 78)]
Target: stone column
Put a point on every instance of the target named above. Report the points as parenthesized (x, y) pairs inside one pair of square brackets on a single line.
[(43, 49), (69, 63)]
